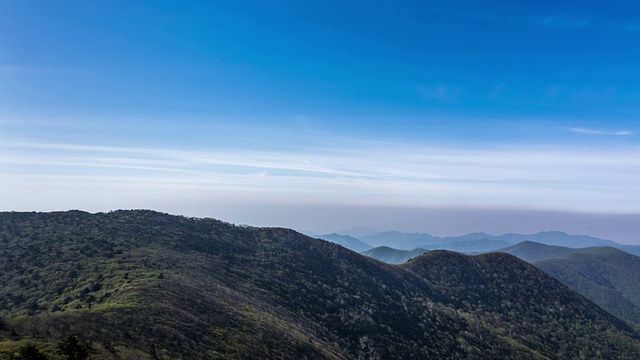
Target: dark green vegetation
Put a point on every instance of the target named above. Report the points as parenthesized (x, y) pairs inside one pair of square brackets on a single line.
[(145, 285), (609, 277)]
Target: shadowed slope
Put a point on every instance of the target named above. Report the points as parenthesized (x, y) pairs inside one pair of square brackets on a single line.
[(606, 276), (519, 301)]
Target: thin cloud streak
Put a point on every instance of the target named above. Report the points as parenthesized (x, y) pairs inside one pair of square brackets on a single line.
[(573, 22), (558, 21), (396, 174), (442, 93), (601, 132)]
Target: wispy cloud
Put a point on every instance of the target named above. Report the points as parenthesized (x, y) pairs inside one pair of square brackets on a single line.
[(441, 93), (552, 92), (592, 94), (374, 174), (630, 27), (497, 90), (624, 25), (565, 21), (559, 21), (588, 131), (563, 93)]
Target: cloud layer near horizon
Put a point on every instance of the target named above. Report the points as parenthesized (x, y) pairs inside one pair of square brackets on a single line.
[(358, 173)]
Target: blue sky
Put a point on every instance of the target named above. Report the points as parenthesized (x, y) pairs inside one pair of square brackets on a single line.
[(313, 114)]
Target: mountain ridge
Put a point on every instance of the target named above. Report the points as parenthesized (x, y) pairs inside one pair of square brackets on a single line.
[(391, 255), (142, 284), (347, 241), (410, 241)]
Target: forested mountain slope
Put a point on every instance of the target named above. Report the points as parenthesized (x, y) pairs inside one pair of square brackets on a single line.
[(606, 276), (141, 284)]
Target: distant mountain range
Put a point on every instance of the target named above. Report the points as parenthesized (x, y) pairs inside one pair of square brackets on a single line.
[(393, 256), (347, 241), (470, 243), (146, 285), (397, 256)]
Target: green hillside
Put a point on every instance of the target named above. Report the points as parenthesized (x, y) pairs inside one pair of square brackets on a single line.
[(145, 285), (606, 276)]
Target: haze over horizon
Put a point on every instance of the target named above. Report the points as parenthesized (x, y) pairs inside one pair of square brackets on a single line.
[(445, 118)]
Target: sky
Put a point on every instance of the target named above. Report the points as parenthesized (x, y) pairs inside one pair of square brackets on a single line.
[(426, 116)]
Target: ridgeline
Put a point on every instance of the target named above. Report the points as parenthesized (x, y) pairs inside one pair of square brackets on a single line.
[(147, 285)]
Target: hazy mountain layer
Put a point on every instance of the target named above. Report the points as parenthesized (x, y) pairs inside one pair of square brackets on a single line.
[(397, 256), (393, 256), (532, 251), (481, 242), (347, 241)]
